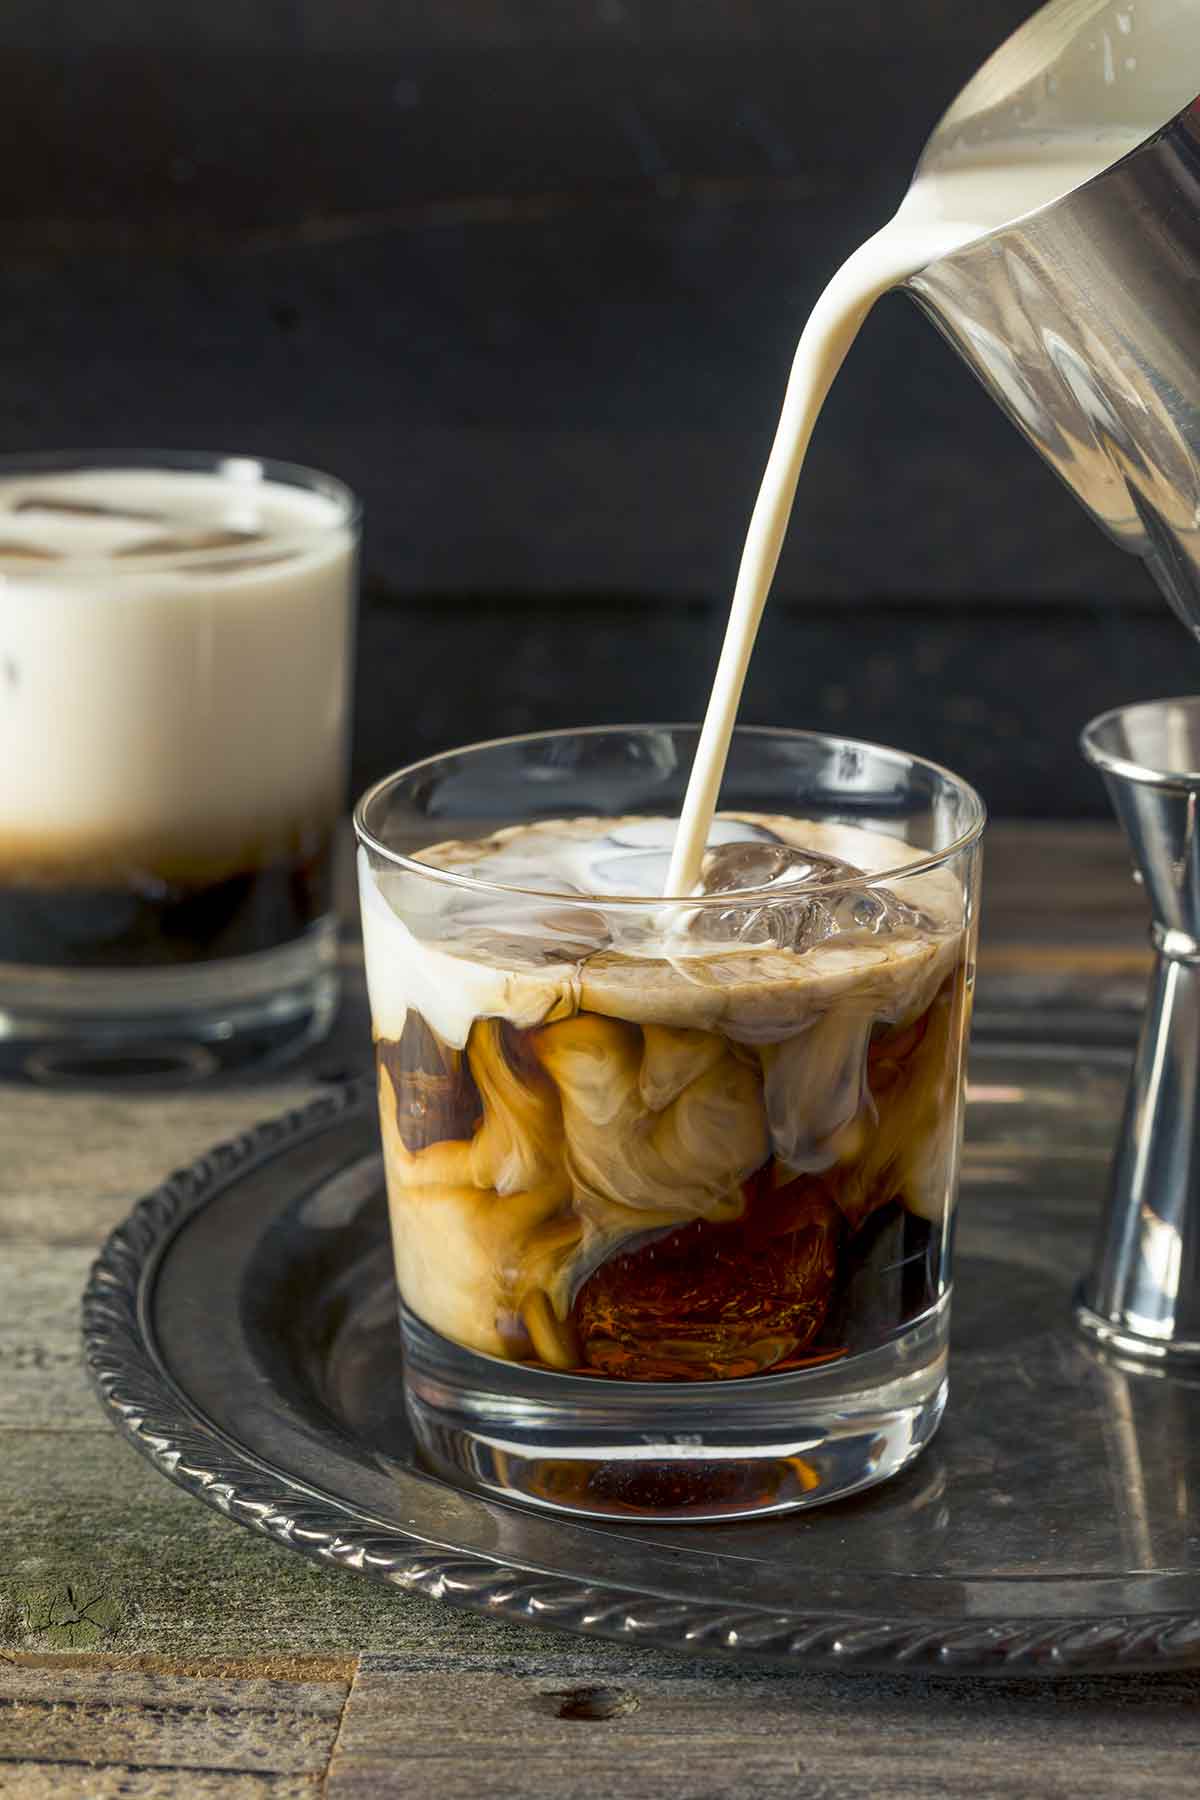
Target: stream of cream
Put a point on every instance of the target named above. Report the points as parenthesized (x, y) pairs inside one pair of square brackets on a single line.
[(1068, 96)]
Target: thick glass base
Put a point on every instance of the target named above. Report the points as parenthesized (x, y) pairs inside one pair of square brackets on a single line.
[(143, 1027), (675, 1451)]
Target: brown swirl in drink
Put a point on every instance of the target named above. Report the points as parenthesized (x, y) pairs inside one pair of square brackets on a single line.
[(727, 1160)]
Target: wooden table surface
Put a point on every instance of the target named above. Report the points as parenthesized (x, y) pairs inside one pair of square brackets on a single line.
[(150, 1648)]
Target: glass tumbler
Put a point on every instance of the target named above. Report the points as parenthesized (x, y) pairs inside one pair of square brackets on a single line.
[(671, 1181), (175, 658)]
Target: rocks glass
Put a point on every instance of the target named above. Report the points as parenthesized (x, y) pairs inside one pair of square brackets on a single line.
[(671, 1181), (175, 637)]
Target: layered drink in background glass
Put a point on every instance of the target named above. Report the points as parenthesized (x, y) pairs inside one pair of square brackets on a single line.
[(175, 637)]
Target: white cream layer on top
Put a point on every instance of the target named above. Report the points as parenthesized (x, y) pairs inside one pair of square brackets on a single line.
[(463, 953), (172, 684)]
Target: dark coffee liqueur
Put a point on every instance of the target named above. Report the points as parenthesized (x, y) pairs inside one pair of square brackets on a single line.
[(149, 919), (705, 1143)]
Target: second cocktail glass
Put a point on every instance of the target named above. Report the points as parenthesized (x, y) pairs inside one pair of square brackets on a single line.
[(176, 637)]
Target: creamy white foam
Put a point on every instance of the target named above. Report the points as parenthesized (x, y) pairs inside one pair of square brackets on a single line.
[(1077, 88), (463, 953), (172, 684)]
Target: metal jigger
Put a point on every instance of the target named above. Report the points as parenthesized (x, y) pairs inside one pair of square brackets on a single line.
[(1142, 1297)]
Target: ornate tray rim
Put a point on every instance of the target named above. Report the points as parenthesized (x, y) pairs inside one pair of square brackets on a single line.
[(143, 1402)]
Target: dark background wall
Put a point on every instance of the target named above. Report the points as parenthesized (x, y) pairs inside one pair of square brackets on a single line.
[(528, 274)]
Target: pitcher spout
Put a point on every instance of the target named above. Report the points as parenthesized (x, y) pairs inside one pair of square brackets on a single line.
[(1079, 313)]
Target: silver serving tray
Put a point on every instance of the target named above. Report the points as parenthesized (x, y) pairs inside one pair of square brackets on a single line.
[(240, 1330)]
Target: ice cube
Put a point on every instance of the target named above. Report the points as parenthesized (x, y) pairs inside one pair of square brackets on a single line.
[(778, 913), (730, 868), (11, 549), (876, 910), (773, 925), (85, 509), (173, 543), (237, 565)]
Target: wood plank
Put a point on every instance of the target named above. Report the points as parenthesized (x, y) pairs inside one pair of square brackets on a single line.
[(41, 1381), (78, 1716), (756, 1735), (1066, 884), (73, 1163), (119, 1781), (271, 1665), (82, 1517), (89, 1684)]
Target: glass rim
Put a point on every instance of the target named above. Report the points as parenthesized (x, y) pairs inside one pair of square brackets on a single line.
[(256, 470), (924, 864)]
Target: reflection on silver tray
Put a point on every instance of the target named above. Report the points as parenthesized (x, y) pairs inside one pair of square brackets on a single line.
[(240, 1330)]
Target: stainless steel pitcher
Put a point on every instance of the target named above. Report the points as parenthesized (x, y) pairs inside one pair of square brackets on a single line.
[(1082, 320)]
